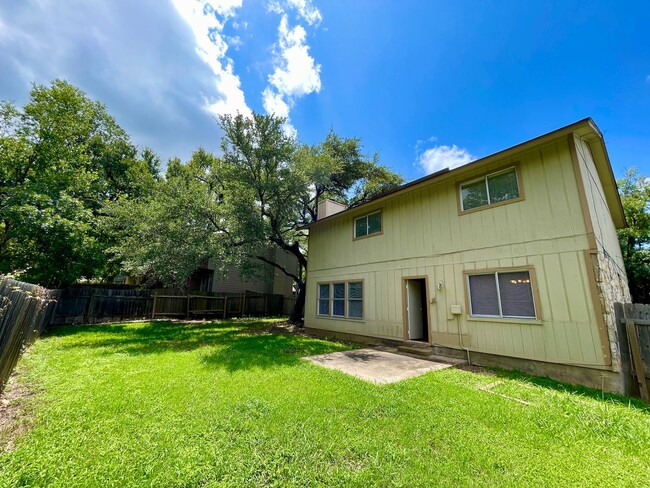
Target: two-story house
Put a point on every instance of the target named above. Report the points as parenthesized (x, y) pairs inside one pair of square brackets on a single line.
[(512, 260)]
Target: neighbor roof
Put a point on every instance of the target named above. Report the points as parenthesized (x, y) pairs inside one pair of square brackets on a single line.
[(585, 128)]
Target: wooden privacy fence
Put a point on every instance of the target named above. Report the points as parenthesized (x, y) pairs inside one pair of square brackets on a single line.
[(218, 306), (633, 324), (87, 305), (92, 305), (25, 310)]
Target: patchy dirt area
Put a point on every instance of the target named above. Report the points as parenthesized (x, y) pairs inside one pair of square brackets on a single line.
[(276, 328), (477, 370), (15, 413)]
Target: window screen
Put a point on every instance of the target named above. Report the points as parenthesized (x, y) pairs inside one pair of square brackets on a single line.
[(324, 299), (355, 300), (503, 186), (338, 303), (483, 295), (516, 295)]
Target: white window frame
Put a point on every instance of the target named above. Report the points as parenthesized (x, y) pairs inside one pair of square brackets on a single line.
[(496, 278), (484, 178), (366, 216), (346, 300)]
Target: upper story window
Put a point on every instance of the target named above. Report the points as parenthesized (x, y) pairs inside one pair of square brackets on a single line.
[(489, 190), (367, 225)]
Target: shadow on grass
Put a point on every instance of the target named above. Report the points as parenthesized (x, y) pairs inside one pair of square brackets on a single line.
[(243, 351), (578, 390), (234, 345)]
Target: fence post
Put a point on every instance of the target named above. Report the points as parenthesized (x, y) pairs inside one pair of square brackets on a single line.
[(153, 306), (637, 360), (243, 301), (89, 306), (56, 296), (225, 306), (187, 313), (266, 304)]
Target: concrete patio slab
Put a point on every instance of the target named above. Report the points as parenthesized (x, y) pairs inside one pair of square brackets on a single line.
[(376, 365)]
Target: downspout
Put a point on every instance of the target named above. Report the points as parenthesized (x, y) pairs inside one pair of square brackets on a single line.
[(460, 340)]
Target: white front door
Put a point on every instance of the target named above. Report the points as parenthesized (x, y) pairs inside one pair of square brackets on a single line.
[(414, 310)]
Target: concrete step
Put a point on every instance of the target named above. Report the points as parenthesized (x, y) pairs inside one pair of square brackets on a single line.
[(416, 349), (426, 352)]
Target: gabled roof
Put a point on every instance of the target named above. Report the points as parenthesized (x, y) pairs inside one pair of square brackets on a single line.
[(585, 128)]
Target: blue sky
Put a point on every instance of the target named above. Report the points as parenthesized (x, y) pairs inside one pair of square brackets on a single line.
[(427, 84)]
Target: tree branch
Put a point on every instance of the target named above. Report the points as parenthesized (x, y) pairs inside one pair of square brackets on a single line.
[(293, 249), (281, 268)]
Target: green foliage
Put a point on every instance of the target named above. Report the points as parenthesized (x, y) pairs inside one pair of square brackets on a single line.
[(165, 236), (635, 239), (62, 158), (245, 207), (338, 169), (232, 404)]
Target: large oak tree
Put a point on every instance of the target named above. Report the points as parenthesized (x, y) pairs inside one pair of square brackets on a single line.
[(254, 197)]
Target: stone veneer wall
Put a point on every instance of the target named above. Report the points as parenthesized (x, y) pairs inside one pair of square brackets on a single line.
[(611, 281)]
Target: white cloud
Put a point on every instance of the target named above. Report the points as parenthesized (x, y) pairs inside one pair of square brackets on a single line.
[(274, 103), (305, 9), (423, 142), (296, 73), (440, 157), (138, 58), (207, 19)]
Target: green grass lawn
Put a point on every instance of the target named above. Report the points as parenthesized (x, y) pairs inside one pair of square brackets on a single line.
[(225, 404)]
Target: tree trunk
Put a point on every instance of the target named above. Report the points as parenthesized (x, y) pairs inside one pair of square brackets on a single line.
[(299, 307)]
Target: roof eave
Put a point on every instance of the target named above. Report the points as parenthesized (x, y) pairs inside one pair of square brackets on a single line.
[(603, 165), (585, 126)]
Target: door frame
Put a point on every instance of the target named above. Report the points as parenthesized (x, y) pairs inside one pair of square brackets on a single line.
[(405, 332)]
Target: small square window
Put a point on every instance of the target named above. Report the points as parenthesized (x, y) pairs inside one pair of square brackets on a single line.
[(367, 225)]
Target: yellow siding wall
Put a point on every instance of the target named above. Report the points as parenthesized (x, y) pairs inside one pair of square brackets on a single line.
[(607, 260), (424, 235), (604, 230)]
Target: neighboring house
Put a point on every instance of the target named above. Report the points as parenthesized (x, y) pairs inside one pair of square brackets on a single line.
[(276, 282), (512, 260)]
